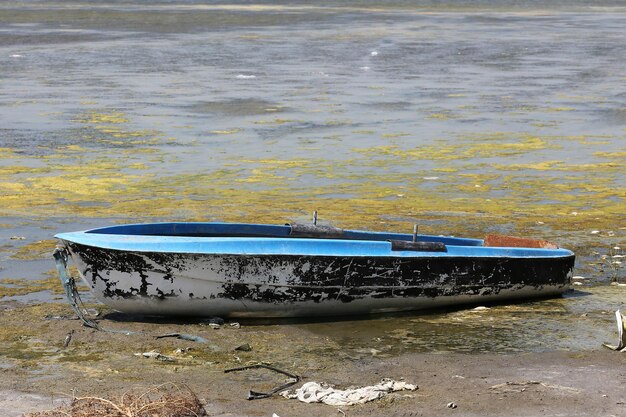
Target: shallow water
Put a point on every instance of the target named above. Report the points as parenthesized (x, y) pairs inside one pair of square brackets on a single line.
[(581, 320), (466, 117)]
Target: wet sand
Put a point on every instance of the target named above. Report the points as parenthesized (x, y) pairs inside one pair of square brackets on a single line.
[(557, 382), (537, 384)]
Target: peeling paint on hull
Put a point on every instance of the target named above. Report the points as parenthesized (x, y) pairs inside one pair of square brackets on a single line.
[(275, 285)]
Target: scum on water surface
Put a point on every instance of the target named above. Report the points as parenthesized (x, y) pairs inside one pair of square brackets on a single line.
[(74, 180)]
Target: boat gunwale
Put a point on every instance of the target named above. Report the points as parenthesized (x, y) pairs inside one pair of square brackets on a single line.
[(286, 245)]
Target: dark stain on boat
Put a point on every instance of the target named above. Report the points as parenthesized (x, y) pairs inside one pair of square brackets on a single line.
[(289, 278)]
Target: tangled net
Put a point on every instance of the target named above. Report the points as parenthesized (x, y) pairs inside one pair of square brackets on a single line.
[(167, 400)]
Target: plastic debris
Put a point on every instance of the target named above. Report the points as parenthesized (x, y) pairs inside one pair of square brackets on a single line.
[(156, 355), (235, 325), (314, 392), (60, 317), (621, 333), (520, 386), (451, 405), (183, 336), (244, 348), (68, 339), (213, 320)]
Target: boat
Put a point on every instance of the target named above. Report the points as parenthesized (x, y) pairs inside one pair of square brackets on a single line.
[(298, 270)]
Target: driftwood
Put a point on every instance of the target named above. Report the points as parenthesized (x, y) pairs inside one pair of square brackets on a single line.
[(253, 395)]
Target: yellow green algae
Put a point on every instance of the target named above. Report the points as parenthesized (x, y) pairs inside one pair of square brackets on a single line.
[(490, 177), (484, 146), (12, 287), (35, 250), (32, 337), (275, 121), (226, 132), (440, 116)]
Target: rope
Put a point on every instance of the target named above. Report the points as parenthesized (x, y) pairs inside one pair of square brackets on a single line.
[(61, 256), (69, 285)]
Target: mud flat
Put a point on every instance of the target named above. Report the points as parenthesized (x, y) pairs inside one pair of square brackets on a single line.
[(37, 368)]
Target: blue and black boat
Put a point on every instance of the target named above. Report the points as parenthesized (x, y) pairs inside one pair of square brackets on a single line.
[(257, 270)]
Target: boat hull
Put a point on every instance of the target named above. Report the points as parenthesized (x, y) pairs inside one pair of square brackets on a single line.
[(279, 285)]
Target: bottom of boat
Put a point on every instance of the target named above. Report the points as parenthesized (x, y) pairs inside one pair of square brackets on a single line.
[(255, 309)]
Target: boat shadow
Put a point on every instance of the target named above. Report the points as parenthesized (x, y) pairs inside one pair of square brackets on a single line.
[(267, 321)]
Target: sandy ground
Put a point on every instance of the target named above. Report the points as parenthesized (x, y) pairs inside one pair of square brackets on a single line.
[(548, 384), (37, 368)]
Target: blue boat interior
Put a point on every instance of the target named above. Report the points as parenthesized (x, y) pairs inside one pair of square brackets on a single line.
[(193, 229), (297, 239)]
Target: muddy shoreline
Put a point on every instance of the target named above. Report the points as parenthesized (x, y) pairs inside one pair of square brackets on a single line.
[(547, 384), (38, 368)]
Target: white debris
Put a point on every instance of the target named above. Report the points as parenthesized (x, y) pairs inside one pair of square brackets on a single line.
[(595, 232), (621, 333), (245, 76), (374, 53), (156, 355), (314, 392), (520, 386)]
